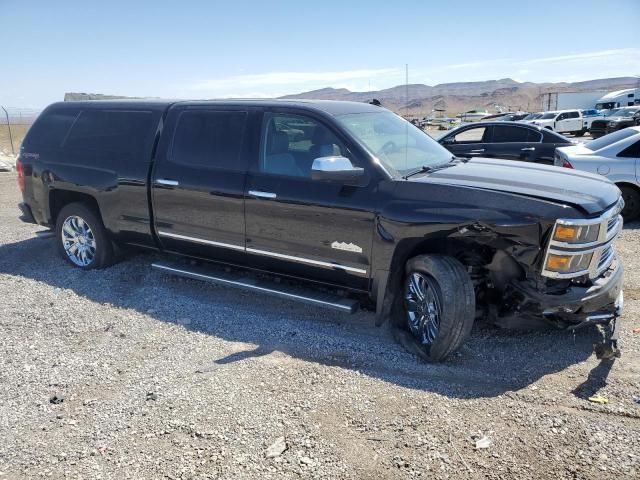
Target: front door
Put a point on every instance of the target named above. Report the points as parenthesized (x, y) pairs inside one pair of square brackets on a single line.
[(302, 227), (198, 182)]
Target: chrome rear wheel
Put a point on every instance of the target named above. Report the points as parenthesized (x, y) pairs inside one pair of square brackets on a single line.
[(78, 241)]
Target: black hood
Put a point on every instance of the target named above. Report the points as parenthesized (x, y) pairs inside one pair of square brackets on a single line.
[(589, 192)]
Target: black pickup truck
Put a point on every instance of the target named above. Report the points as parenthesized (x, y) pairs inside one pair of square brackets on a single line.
[(347, 197)]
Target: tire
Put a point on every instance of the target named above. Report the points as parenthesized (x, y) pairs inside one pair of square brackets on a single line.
[(443, 321), (631, 198), (580, 133), (81, 227)]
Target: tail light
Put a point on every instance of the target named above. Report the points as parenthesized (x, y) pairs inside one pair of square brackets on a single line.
[(20, 171), (566, 163)]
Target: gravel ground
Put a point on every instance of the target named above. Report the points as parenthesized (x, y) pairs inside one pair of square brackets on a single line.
[(129, 373)]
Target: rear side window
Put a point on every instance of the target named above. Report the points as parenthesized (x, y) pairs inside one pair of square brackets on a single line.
[(471, 135), (211, 139), (508, 134), (632, 151), (113, 131), (51, 128)]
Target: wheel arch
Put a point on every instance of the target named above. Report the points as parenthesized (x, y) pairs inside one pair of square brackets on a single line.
[(631, 185), (387, 295), (58, 199)]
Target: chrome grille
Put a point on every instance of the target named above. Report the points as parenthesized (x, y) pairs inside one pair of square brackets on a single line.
[(605, 258)]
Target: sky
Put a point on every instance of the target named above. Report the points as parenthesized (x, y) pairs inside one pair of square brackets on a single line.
[(211, 49)]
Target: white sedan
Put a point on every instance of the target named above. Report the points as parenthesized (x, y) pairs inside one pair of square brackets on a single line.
[(617, 157)]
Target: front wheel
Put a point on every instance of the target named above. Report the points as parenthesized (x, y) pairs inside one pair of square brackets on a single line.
[(580, 133), (439, 305), (81, 237)]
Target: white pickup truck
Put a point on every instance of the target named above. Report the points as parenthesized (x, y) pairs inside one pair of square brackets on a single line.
[(565, 121)]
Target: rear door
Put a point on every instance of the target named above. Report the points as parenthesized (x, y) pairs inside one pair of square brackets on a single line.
[(198, 182), (511, 142), (469, 142), (303, 227)]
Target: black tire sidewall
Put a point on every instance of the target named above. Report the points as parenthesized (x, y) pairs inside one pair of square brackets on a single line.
[(631, 209), (457, 297), (104, 248)]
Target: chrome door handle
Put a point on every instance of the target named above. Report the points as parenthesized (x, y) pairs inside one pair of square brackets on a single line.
[(480, 150), (528, 149), (166, 181), (256, 193)]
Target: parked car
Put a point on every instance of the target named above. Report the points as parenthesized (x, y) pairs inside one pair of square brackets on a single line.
[(5, 166), (346, 196), (508, 141), (473, 115), (592, 112), (617, 157), (616, 120), (514, 117), (564, 121), (532, 116), (506, 117)]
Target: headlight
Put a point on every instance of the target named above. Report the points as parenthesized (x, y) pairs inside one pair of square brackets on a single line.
[(568, 263), (576, 233), (612, 124)]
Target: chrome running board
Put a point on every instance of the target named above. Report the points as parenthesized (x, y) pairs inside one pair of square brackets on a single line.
[(245, 282)]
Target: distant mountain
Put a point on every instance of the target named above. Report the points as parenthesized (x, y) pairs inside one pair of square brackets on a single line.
[(461, 96)]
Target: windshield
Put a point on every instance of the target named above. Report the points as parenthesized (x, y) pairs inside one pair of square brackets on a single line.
[(610, 139), (400, 146), (612, 113), (548, 115), (625, 112), (532, 116)]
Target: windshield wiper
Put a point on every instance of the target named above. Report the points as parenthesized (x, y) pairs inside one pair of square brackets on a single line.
[(431, 169)]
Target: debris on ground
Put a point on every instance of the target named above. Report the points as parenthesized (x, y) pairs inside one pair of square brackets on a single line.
[(482, 442), (598, 399), (277, 448)]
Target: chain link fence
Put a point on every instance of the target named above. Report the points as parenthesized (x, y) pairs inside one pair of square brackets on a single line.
[(14, 123)]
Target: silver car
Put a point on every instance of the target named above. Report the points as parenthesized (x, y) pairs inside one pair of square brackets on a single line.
[(617, 157)]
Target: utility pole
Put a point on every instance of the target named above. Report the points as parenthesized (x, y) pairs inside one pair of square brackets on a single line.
[(406, 89)]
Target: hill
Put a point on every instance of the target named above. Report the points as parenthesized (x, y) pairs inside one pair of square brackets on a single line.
[(461, 96)]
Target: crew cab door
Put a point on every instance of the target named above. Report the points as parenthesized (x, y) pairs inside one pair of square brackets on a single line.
[(469, 142), (198, 182), (314, 229), (569, 122)]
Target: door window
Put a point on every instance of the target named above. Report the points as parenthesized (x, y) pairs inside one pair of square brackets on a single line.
[(632, 151), (210, 139), (290, 144), (51, 128), (471, 135), (562, 116), (115, 131), (509, 134)]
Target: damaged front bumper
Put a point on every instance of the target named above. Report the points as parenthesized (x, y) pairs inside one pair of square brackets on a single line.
[(600, 303)]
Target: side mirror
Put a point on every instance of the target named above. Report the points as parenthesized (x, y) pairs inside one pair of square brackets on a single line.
[(448, 141), (336, 169)]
